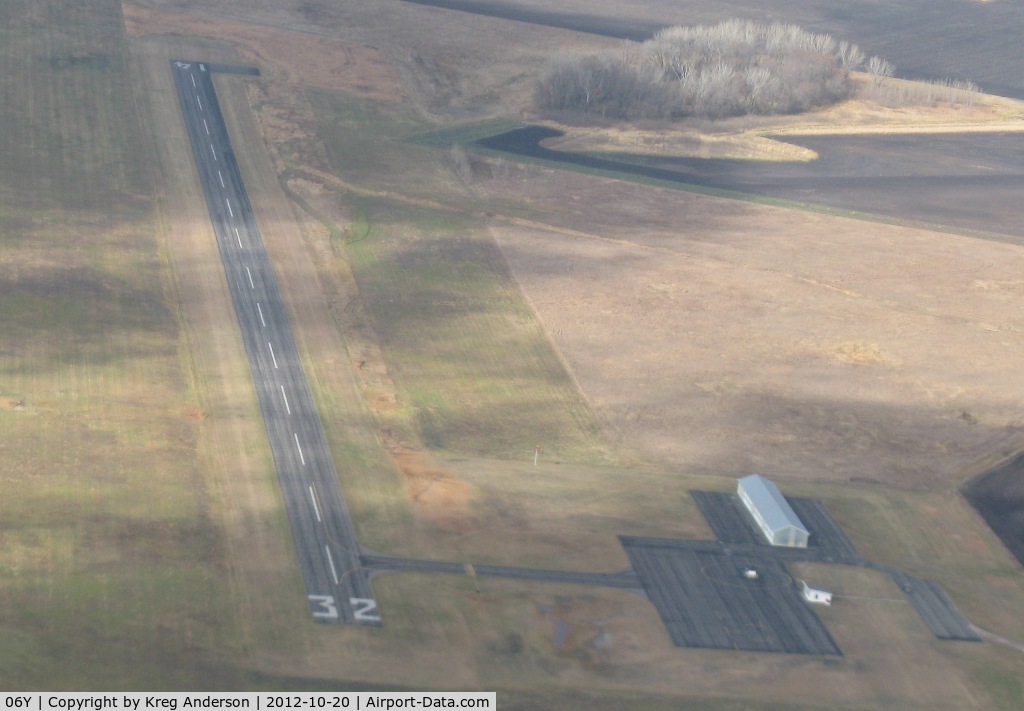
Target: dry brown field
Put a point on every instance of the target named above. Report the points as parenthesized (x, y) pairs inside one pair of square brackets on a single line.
[(663, 340)]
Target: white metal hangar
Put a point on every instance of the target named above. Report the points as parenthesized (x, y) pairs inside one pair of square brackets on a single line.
[(772, 513)]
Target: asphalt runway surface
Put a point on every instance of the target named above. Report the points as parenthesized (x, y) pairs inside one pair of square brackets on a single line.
[(338, 588), (696, 586), (961, 181), (622, 580), (733, 524), (737, 535), (705, 601), (934, 607), (729, 522), (828, 539)]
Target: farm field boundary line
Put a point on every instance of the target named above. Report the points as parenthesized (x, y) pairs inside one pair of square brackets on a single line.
[(434, 205), (621, 170), (893, 130), (577, 234)]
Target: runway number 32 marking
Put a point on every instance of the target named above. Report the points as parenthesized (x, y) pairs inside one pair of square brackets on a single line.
[(363, 609), (326, 607)]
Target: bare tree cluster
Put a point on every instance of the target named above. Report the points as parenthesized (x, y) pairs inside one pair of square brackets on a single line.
[(879, 67), (728, 69)]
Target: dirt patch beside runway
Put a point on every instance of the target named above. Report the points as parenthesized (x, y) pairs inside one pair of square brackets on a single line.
[(436, 492)]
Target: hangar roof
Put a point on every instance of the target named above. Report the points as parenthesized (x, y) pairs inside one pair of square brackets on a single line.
[(772, 505)]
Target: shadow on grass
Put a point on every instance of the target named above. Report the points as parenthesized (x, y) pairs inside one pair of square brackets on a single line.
[(78, 315)]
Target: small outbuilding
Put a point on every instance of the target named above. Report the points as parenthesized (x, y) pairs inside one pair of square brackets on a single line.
[(818, 597), (771, 512)]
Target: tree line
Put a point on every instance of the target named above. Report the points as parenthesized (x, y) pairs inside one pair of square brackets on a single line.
[(732, 68)]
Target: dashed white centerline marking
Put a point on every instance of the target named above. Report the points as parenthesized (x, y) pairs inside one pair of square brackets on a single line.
[(193, 78), (316, 507), (221, 176), (228, 203), (260, 309), (251, 285), (330, 560), (200, 102), (271, 347), (239, 238), (285, 396), (299, 447), (213, 152), (207, 127)]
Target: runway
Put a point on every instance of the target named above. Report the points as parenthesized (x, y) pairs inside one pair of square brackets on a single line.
[(696, 586), (337, 587)]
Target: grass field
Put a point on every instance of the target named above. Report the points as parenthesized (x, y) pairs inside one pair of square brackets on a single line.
[(109, 565), (142, 542), (556, 515), (479, 373), (518, 516)]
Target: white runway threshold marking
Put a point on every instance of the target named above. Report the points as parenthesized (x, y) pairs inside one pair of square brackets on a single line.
[(339, 531), (330, 559), (316, 506)]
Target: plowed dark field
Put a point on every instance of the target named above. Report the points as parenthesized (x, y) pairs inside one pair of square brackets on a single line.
[(998, 496), (968, 181), (925, 39)]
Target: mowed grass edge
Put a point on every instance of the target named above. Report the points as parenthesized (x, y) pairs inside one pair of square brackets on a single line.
[(475, 367), (876, 522), (109, 563)]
